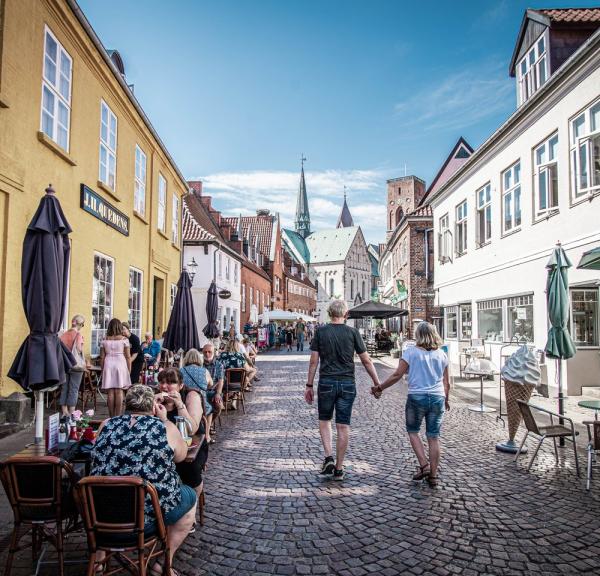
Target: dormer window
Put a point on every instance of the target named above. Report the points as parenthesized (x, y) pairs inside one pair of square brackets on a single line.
[(532, 69)]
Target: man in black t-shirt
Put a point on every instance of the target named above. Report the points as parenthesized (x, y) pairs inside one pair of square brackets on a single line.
[(333, 346), (137, 358)]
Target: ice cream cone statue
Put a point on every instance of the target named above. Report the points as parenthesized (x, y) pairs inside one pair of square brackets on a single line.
[(521, 374)]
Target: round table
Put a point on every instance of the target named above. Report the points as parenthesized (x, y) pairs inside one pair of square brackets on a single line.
[(481, 407), (591, 404)]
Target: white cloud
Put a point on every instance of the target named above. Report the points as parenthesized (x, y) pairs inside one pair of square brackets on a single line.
[(245, 192), (459, 100)]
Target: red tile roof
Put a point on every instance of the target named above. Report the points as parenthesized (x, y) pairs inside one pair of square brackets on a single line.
[(198, 208), (570, 14), (260, 225), (421, 211), (192, 231)]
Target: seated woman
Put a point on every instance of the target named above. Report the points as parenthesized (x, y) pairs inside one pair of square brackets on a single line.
[(142, 442), (232, 357), (196, 377), (188, 404)]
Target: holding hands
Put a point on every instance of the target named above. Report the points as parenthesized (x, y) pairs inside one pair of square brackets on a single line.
[(376, 391)]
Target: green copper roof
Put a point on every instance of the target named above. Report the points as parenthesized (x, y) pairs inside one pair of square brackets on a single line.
[(298, 243)]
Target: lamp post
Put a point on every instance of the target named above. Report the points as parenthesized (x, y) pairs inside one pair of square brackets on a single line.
[(191, 268)]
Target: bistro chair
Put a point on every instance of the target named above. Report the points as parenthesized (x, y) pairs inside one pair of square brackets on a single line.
[(553, 431), (39, 490), (235, 382), (593, 448), (88, 392), (112, 508)]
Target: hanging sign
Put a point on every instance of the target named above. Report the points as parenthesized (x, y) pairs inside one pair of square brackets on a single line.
[(95, 205), (224, 294)]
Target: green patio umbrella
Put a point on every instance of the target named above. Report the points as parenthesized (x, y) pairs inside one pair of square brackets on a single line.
[(559, 345), (590, 260)]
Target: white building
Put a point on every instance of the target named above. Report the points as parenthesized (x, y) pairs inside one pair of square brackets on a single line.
[(204, 243), (534, 182)]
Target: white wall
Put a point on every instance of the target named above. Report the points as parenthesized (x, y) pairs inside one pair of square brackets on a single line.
[(515, 263), (203, 279)]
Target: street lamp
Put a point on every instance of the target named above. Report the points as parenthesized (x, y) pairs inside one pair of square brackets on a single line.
[(191, 267)]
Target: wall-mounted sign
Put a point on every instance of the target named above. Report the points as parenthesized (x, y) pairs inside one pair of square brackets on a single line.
[(95, 205), (224, 294)]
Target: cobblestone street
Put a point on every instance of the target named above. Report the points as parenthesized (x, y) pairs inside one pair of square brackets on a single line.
[(268, 512)]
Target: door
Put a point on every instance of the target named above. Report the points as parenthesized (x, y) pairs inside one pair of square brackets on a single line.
[(158, 307)]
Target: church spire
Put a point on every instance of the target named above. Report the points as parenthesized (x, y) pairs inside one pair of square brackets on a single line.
[(302, 222), (345, 219)]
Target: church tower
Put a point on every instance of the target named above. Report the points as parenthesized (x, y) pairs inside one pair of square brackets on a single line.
[(302, 222), (345, 219)]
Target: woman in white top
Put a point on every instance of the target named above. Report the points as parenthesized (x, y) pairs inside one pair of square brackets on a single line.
[(428, 396)]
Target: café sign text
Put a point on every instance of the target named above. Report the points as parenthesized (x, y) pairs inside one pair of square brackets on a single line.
[(95, 205)]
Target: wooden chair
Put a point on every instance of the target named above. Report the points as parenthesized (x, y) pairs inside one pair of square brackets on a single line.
[(39, 490), (88, 391), (553, 431), (235, 382), (593, 429), (112, 508)]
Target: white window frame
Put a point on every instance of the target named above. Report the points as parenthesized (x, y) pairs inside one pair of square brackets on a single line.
[(512, 194), (460, 227), (483, 198), (137, 288), (585, 145), (584, 290), (235, 273), (175, 220), (545, 177), (533, 69), (227, 267), (444, 240), (220, 264), (50, 120), (107, 169), (98, 333), (243, 297), (172, 296), (161, 221), (139, 185), (447, 312), (465, 306), (251, 296)]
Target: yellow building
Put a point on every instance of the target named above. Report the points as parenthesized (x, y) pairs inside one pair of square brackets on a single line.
[(67, 117)]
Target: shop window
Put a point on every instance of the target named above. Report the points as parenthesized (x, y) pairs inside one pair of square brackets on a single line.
[(175, 221), (162, 203), (489, 320), (102, 299), (466, 324), (108, 146), (511, 198), (56, 91), (135, 301), (139, 195), (585, 152), (451, 322), (520, 318), (584, 317), (484, 215)]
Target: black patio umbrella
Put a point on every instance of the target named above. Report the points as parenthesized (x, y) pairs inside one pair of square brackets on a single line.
[(211, 330), (182, 332), (377, 310), (43, 360)]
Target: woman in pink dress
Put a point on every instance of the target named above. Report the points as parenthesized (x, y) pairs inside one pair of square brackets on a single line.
[(115, 361)]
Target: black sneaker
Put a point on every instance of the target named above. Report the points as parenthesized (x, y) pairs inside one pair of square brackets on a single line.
[(328, 466), (338, 474)]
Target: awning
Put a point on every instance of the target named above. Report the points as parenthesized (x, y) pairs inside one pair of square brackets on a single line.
[(590, 260)]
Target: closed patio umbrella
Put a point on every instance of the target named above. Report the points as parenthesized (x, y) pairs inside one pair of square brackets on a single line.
[(182, 332), (43, 360), (559, 345), (211, 330)]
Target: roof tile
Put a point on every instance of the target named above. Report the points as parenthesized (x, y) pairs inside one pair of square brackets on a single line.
[(571, 14)]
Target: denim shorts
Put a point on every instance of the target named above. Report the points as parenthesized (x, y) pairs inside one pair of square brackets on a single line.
[(186, 503), (428, 406), (336, 394)]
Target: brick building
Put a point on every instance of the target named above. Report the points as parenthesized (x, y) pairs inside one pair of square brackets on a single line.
[(300, 292)]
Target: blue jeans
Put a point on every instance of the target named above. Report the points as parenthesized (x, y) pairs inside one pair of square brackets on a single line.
[(336, 394), (430, 407), (300, 342)]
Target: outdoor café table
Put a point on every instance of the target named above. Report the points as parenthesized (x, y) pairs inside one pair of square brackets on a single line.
[(592, 405), (481, 407), (197, 442)]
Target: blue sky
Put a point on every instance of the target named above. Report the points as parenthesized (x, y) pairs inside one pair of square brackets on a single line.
[(239, 89)]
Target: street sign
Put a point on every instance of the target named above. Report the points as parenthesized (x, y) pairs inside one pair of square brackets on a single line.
[(224, 294), (428, 294)]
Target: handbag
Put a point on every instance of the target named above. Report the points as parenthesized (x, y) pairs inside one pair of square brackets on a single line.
[(79, 357)]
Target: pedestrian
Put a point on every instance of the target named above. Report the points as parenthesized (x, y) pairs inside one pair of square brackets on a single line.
[(300, 333), (428, 396), (115, 361), (73, 340), (289, 337), (333, 349), (135, 350)]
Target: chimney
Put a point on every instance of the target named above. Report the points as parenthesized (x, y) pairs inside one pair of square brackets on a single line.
[(195, 186), (263, 212)]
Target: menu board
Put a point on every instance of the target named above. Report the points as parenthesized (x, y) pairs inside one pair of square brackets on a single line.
[(53, 426)]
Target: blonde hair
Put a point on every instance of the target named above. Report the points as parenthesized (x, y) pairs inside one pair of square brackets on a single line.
[(427, 336), (337, 309), (139, 398), (232, 345), (193, 356), (77, 321)]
